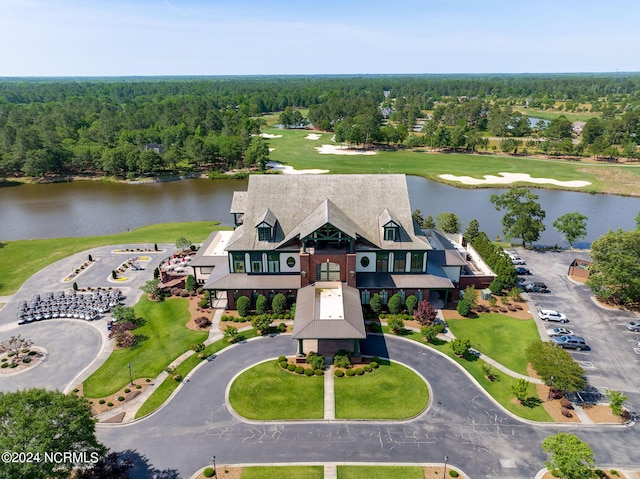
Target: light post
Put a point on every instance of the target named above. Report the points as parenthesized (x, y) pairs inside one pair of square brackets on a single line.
[(130, 374), (550, 387), (213, 460), (446, 459)]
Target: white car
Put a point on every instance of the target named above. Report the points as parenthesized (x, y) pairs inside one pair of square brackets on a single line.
[(552, 315), (558, 332)]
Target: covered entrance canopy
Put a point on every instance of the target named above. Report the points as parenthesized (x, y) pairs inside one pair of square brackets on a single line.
[(328, 314)]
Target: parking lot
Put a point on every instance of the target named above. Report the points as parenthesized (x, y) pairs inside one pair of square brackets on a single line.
[(612, 359)]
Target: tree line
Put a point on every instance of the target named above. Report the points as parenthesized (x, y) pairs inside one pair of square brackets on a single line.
[(110, 126)]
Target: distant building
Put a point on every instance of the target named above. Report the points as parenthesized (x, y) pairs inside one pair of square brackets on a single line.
[(157, 147)]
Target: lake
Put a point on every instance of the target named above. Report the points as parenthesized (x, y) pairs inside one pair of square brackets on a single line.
[(99, 208)]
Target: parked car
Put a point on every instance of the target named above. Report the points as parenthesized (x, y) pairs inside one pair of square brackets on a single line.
[(535, 287), (552, 315), (521, 270), (633, 326), (559, 332), (517, 260), (570, 342)]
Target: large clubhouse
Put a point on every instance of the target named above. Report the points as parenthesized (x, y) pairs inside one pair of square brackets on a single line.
[(328, 243)]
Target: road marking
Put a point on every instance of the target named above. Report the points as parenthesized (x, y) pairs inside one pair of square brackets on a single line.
[(507, 463), (586, 364)]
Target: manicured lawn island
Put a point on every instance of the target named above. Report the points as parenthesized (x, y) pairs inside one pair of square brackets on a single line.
[(282, 472), (379, 394), (267, 392), (380, 472), (499, 389), (163, 338), (19, 260)]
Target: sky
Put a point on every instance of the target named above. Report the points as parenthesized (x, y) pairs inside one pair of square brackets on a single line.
[(251, 37)]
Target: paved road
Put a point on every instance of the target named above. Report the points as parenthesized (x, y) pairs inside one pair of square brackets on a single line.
[(75, 348), (611, 362), (462, 422)]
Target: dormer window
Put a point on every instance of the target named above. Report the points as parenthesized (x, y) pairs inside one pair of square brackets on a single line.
[(264, 233), (390, 234)]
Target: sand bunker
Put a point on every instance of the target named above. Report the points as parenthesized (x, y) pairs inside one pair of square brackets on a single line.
[(270, 135), (290, 170), (313, 136), (338, 150), (508, 178)]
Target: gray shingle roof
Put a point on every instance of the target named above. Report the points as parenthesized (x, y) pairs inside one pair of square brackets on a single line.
[(352, 202)]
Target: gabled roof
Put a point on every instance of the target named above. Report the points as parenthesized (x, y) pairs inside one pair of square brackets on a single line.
[(302, 203), (267, 217), (326, 212)]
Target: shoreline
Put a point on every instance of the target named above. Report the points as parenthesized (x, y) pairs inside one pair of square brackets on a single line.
[(236, 174)]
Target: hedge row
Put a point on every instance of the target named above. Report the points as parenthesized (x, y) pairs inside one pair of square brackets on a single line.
[(251, 318), (298, 369), (360, 371)]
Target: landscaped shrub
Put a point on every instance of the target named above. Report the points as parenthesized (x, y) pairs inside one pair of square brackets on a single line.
[(184, 293), (283, 364), (291, 367), (341, 359), (395, 304), (75, 285), (375, 303), (127, 391), (359, 371), (281, 358), (430, 333), (243, 304), (102, 401), (287, 316), (138, 386), (396, 325), (120, 398), (147, 380), (262, 304), (564, 402), (4, 365), (308, 372), (315, 360), (460, 346), (202, 322), (26, 360), (282, 327), (600, 473), (367, 368), (375, 328), (190, 283), (351, 372), (318, 372), (339, 373), (496, 286), (374, 365), (177, 378), (565, 412), (299, 370), (453, 473), (109, 404), (279, 304), (464, 307), (411, 303), (208, 472)]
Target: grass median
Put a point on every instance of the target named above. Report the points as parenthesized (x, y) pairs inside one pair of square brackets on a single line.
[(380, 394), (21, 259), (283, 472), (163, 338), (379, 472), (267, 392)]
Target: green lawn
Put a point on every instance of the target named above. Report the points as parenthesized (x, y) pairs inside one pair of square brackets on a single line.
[(165, 337), (283, 472), (500, 389), (379, 472), (267, 392), (19, 260), (500, 337), (294, 150), (162, 393), (553, 114), (381, 394)]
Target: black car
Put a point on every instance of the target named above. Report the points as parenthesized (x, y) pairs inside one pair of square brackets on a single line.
[(522, 270)]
